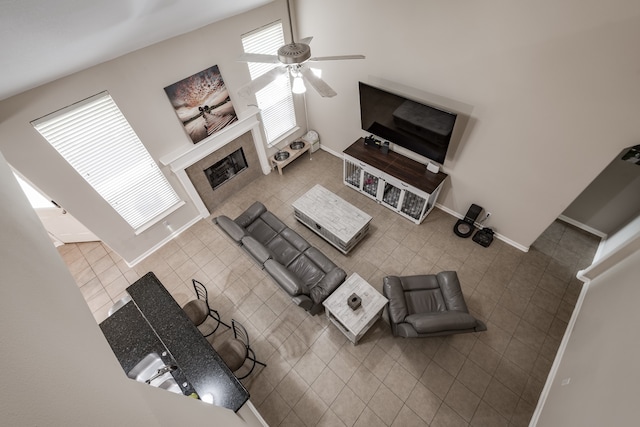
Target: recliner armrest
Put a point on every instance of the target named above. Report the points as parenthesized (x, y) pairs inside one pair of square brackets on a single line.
[(439, 321), (392, 289), (451, 291)]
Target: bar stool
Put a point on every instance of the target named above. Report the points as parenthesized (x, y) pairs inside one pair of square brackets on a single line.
[(236, 351), (198, 310)]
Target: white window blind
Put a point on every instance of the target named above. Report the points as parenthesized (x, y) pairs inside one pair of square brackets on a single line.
[(95, 138), (275, 100)]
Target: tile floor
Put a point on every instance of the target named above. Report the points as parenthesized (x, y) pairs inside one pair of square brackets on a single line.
[(315, 377)]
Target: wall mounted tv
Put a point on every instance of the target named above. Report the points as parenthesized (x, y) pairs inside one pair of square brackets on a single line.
[(420, 128)]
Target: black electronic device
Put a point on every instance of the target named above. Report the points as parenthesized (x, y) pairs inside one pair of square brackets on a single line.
[(483, 237), (418, 127), (465, 227)]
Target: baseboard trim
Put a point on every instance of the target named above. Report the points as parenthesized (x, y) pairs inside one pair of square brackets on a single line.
[(331, 151), (497, 235), (583, 226), (451, 212), (163, 242), (559, 355)]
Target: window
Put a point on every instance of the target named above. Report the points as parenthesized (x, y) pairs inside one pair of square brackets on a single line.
[(275, 100), (96, 139)]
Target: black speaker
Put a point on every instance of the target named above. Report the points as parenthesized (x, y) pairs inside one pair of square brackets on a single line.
[(465, 227)]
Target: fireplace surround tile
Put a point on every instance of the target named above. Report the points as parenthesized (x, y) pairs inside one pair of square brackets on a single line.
[(213, 198)]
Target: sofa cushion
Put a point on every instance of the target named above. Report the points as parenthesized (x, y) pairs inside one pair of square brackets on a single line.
[(318, 258), (261, 231), (283, 251), (295, 239), (250, 215), (306, 270), (273, 221), (425, 300), (286, 246)]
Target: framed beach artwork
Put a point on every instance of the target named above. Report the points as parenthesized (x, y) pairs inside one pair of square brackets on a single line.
[(202, 103)]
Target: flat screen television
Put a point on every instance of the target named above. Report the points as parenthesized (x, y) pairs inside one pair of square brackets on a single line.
[(418, 127)]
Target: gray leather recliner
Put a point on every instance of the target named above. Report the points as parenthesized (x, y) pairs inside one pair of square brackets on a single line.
[(428, 305)]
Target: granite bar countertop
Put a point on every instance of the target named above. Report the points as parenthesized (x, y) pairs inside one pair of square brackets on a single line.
[(131, 338), (161, 322)]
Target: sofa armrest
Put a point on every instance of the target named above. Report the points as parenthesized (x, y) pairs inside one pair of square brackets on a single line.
[(439, 321), (327, 285), (256, 249), (231, 228), (392, 289), (284, 278), (451, 291), (247, 217)]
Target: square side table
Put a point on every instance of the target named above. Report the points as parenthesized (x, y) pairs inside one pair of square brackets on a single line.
[(354, 323)]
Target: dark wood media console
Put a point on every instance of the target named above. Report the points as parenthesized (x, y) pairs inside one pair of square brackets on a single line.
[(398, 182)]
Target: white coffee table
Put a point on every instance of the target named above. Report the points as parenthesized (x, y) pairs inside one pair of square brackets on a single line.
[(354, 323), (332, 218)]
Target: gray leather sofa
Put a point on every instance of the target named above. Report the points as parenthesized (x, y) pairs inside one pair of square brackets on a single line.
[(304, 272), (428, 305)]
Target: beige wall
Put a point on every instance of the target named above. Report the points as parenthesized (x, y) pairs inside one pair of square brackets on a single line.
[(552, 91), (57, 367), (611, 200), (599, 365), (136, 83), (553, 88)]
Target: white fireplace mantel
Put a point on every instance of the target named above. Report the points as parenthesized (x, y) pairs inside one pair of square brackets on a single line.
[(179, 160)]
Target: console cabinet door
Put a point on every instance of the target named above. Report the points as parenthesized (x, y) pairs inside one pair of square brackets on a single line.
[(413, 204), (370, 184), (392, 193), (352, 173)]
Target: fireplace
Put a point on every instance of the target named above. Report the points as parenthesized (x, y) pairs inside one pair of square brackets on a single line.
[(189, 162), (224, 172), (226, 169)]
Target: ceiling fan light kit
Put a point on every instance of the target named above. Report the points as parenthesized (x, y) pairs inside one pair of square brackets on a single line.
[(292, 57), (298, 85)]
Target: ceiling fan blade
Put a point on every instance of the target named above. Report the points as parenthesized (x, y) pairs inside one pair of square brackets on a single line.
[(260, 82), (259, 57), (336, 58), (306, 40), (317, 83)]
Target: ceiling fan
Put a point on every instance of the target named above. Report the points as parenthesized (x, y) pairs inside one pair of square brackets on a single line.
[(291, 58)]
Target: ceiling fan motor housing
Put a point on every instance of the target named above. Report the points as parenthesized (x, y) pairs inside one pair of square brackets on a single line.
[(294, 53)]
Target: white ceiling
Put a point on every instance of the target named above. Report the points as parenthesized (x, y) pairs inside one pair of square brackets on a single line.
[(43, 40)]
